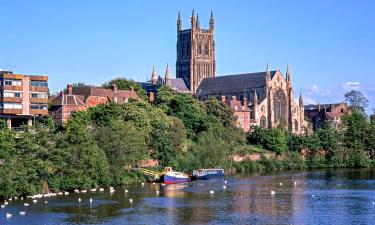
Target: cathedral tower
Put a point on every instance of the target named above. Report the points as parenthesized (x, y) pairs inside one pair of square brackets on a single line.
[(195, 52)]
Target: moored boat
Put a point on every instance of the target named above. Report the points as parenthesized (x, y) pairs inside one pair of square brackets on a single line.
[(171, 177), (205, 174)]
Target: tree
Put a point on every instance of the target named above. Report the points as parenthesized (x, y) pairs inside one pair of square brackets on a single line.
[(355, 128), (127, 84), (221, 111), (356, 100), (124, 146)]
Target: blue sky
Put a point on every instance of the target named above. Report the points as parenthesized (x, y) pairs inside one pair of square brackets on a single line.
[(329, 45)]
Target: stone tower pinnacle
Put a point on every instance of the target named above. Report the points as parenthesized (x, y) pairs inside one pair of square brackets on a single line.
[(212, 22), (167, 77), (179, 22), (154, 76)]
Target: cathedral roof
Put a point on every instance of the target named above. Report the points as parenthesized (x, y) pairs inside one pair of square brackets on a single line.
[(233, 82), (179, 85)]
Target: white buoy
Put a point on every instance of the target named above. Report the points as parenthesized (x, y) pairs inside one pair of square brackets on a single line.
[(35, 201), (8, 215), (45, 202), (2, 206), (79, 200), (22, 213), (157, 192), (273, 192), (126, 190), (131, 200), (281, 184), (295, 183), (26, 204), (212, 192), (225, 182), (224, 187), (90, 200)]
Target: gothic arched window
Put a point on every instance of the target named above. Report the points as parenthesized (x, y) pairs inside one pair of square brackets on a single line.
[(263, 122), (279, 106), (200, 49), (206, 49)]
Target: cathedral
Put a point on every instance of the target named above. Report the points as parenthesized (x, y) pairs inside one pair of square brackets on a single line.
[(264, 99)]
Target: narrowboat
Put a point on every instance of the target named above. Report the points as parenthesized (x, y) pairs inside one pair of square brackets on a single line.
[(205, 174), (171, 177)]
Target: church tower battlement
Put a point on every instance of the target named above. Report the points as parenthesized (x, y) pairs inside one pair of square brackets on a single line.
[(195, 52)]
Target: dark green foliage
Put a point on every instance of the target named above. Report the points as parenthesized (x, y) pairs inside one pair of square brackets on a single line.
[(126, 84), (275, 139), (356, 100), (221, 111)]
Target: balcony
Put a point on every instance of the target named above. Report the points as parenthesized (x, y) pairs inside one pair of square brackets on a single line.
[(39, 100), (38, 111), (11, 99), (10, 88), (11, 111), (38, 89)]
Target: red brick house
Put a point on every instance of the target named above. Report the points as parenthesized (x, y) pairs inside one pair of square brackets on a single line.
[(241, 112), (74, 99)]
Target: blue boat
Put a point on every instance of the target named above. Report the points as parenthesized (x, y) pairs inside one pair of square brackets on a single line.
[(205, 174), (171, 177)]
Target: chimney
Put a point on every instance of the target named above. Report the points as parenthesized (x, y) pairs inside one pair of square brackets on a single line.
[(114, 88), (223, 98), (244, 104), (152, 96), (69, 89), (234, 98)]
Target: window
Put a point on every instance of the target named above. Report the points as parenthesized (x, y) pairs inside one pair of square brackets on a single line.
[(199, 49), (263, 122), (1, 106), (39, 84), (12, 106), (11, 82), (38, 95), (295, 125), (38, 106), (11, 94)]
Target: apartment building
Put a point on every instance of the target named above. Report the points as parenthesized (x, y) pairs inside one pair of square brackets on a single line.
[(22, 98)]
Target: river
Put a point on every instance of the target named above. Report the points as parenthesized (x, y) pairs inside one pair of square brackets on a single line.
[(312, 197)]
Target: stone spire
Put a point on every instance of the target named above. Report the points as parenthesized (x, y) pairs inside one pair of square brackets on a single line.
[(288, 74), (300, 100), (198, 23), (212, 22), (193, 21), (179, 22), (268, 73), (154, 76), (167, 77)]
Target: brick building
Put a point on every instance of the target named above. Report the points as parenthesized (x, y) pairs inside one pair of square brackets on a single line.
[(331, 113), (78, 98), (22, 98), (241, 112)]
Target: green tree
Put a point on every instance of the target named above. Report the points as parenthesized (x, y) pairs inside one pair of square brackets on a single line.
[(127, 84), (124, 146), (221, 111), (356, 100), (354, 137)]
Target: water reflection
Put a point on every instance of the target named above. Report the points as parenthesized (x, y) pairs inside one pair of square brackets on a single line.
[(319, 197)]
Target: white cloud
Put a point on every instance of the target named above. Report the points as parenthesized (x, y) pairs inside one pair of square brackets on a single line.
[(313, 89), (308, 101), (351, 85)]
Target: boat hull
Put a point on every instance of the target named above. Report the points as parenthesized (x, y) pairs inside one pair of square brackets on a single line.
[(205, 174), (167, 179)]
